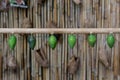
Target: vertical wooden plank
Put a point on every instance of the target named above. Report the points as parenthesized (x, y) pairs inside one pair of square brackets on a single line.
[(47, 47), (1, 53), (103, 37), (62, 25), (65, 53), (98, 18), (78, 48), (94, 75), (109, 51), (34, 15), (50, 52), (11, 75), (17, 52), (118, 25), (95, 71), (88, 49), (29, 55), (116, 53), (54, 52), (58, 54), (106, 14), (82, 41), (44, 38)]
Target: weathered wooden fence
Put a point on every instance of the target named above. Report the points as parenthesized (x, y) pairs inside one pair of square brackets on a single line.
[(89, 14)]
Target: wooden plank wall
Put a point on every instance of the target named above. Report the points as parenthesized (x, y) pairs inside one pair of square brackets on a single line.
[(91, 13)]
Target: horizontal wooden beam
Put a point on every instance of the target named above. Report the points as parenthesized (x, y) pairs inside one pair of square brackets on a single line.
[(60, 30)]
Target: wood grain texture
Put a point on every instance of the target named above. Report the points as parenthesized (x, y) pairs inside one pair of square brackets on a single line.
[(89, 14)]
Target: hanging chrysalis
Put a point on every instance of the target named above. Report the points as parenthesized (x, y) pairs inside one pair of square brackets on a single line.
[(52, 41), (71, 40), (12, 41), (92, 40), (31, 41), (110, 40)]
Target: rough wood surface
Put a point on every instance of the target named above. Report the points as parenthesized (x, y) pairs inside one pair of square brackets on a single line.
[(66, 14)]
